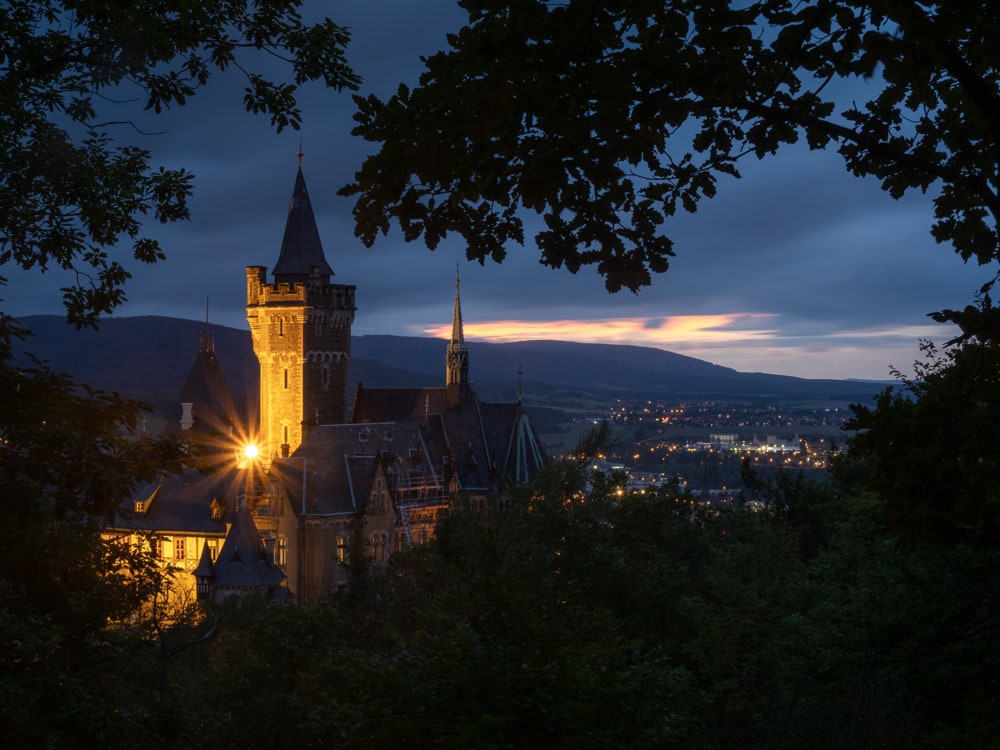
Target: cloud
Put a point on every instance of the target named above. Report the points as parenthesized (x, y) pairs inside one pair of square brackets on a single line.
[(797, 268)]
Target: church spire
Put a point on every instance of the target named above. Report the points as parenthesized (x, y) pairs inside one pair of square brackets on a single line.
[(301, 250), (457, 357)]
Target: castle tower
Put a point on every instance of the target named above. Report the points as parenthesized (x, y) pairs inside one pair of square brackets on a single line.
[(457, 355), (301, 330)]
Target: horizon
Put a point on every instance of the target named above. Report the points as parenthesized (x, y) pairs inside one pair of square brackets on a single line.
[(797, 269), (443, 333)]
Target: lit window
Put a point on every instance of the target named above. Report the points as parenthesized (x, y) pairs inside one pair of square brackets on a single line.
[(213, 548), (179, 548), (281, 552), (341, 549), (378, 542)]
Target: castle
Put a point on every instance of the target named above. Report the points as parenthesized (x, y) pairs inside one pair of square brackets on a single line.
[(326, 481)]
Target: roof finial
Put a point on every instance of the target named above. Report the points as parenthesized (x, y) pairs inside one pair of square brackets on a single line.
[(206, 341), (300, 154)]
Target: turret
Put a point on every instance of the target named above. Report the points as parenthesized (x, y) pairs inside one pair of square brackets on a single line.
[(301, 330)]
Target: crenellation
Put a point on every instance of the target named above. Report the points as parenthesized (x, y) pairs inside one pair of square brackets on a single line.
[(301, 330)]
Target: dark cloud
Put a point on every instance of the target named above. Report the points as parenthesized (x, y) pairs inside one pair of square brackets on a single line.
[(830, 260)]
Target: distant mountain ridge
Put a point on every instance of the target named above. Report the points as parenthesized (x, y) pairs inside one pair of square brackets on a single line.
[(149, 357)]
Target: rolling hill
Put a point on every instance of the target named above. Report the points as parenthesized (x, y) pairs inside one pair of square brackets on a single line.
[(149, 357)]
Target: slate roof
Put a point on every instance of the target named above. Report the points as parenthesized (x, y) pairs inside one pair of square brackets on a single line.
[(325, 488), (301, 249), (512, 441), (397, 404), (243, 561), (485, 443), (218, 426), (182, 503)]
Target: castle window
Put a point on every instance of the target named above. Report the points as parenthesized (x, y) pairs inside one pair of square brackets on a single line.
[(378, 498), (378, 547), (213, 548), (341, 549), (179, 548), (286, 378), (281, 328), (281, 552), (326, 378), (158, 547)]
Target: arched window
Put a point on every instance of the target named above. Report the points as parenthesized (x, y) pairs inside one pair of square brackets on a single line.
[(281, 552)]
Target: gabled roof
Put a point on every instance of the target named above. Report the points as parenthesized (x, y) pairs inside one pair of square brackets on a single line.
[(333, 470), (183, 503), (483, 443), (301, 249), (243, 562)]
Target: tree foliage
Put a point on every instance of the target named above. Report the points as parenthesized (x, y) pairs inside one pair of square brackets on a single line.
[(69, 458), (71, 75), (607, 118), (929, 448)]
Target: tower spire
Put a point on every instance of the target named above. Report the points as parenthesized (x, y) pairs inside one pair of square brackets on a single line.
[(301, 256), (457, 357), (207, 344)]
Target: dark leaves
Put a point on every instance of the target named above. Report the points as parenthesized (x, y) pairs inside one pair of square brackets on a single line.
[(559, 110), (70, 194)]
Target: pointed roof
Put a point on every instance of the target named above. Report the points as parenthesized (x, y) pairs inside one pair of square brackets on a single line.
[(457, 354), (206, 388), (243, 562), (457, 334), (301, 249), (206, 568)]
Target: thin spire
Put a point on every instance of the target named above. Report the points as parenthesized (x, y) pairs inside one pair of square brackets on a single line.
[(457, 334), (457, 356), (207, 345)]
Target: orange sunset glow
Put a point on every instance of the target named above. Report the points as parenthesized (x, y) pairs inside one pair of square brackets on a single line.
[(750, 342), (643, 331)]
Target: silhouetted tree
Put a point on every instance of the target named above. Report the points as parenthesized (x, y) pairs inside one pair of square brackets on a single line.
[(71, 188), (606, 118)]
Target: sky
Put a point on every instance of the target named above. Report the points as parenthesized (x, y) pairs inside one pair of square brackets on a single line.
[(796, 269)]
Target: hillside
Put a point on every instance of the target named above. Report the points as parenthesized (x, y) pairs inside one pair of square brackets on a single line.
[(149, 357)]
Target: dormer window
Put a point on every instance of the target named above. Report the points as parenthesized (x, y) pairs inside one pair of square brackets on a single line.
[(217, 509), (140, 506)]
